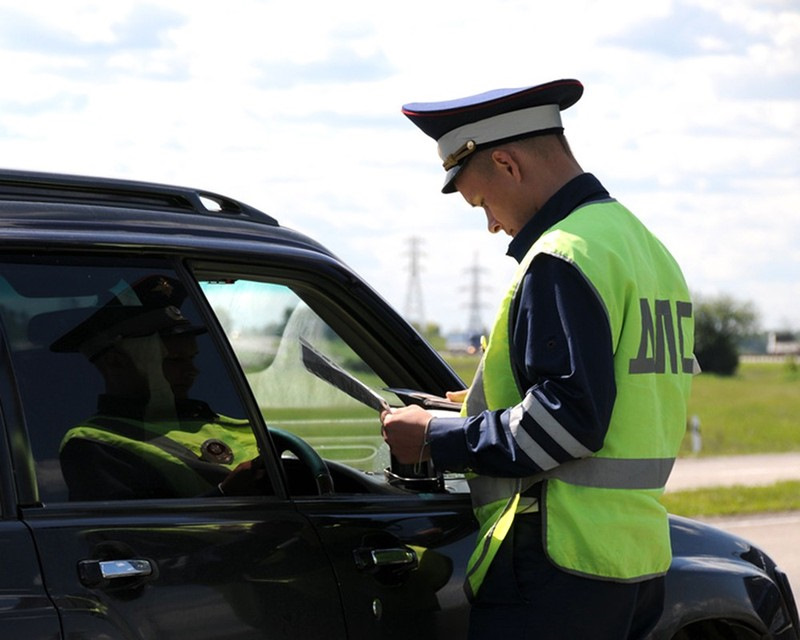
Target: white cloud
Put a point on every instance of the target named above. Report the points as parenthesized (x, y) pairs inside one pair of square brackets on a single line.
[(691, 117)]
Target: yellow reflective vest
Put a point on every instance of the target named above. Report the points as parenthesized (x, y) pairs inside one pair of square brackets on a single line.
[(189, 455), (601, 513)]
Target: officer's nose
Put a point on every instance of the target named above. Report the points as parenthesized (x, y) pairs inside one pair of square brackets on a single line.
[(493, 225)]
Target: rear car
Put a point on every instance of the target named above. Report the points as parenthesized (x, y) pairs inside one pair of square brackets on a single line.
[(330, 537)]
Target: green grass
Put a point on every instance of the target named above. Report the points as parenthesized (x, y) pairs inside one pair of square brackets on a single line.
[(755, 411), (463, 365), (737, 500)]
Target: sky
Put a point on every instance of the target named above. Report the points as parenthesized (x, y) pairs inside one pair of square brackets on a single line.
[(690, 117)]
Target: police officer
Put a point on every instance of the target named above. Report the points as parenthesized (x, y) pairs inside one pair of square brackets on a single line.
[(574, 418), (149, 439)]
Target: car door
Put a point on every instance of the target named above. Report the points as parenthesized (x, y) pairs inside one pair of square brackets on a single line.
[(152, 565), (382, 555), (25, 609), (400, 562), (398, 536)]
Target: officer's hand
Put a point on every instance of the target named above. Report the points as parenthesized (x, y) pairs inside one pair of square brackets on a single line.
[(457, 396), (404, 430), (245, 480)]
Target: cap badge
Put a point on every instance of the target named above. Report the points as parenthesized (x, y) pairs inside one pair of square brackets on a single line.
[(458, 155), (214, 450)]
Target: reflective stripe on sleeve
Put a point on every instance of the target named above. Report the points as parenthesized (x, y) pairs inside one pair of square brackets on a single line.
[(524, 441), (530, 405)]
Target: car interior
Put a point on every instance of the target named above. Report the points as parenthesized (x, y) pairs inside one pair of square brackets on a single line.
[(44, 299)]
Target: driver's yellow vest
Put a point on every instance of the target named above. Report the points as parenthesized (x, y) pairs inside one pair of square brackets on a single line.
[(601, 514), (182, 452)]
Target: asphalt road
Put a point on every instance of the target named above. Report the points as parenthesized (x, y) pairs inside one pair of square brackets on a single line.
[(776, 533), (726, 471)]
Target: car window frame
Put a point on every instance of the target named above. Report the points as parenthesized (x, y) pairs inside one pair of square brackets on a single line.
[(23, 488), (387, 344), (326, 284), (17, 469)]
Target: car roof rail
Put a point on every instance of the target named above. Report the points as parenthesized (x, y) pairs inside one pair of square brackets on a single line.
[(34, 186)]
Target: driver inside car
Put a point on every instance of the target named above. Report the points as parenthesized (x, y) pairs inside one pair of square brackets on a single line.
[(148, 438)]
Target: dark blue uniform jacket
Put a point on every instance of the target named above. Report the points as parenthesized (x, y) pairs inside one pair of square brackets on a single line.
[(560, 350)]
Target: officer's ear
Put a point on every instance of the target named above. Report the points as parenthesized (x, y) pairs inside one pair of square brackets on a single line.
[(507, 163)]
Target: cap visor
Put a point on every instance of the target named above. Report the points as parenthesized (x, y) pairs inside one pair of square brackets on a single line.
[(449, 180)]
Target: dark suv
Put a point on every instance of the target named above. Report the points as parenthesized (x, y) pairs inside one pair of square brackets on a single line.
[(191, 449)]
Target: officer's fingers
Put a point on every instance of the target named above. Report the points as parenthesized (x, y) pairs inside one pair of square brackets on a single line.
[(410, 420), (404, 415), (388, 417), (457, 396)]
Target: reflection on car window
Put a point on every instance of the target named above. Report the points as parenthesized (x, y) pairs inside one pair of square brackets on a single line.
[(265, 322), (123, 393)]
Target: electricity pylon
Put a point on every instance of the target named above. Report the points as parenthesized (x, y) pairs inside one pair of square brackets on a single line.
[(475, 326), (415, 308)]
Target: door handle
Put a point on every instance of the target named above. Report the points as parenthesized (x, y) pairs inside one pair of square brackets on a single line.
[(98, 573), (369, 559)]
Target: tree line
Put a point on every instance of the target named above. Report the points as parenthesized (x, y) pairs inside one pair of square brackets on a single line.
[(724, 327)]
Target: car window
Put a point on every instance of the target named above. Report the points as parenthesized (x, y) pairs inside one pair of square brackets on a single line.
[(268, 324), (123, 391)]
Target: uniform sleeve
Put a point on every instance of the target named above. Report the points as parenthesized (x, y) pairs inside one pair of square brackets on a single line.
[(562, 355)]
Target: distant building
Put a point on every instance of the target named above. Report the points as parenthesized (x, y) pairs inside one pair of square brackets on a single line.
[(782, 343)]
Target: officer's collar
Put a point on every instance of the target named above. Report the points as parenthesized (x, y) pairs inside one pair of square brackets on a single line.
[(580, 190)]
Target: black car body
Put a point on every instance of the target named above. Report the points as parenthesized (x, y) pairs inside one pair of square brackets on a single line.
[(347, 550)]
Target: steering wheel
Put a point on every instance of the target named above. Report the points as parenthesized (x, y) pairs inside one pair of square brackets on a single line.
[(285, 441)]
